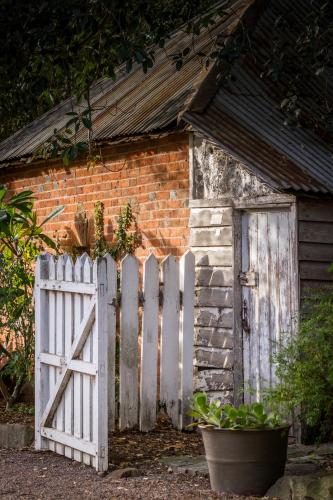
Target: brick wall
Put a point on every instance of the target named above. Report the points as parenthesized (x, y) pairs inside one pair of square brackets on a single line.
[(151, 174)]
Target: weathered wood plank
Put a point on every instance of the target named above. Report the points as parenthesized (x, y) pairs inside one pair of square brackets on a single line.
[(264, 201), (264, 331), (315, 210), (214, 297), (87, 356), (213, 337), (213, 380), (238, 370), (77, 377), (99, 422), (216, 236), (312, 287), (41, 342), (186, 280), (66, 439), (315, 232), (317, 252), (69, 323), (111, 336), (169, 380), (203, 217), (214, 276), (149, 346), (67, 286), (213, 357), (253, 380), (60, 347), (128, 413), (211, 256), (315, 271), (52, 333), (213, 316)]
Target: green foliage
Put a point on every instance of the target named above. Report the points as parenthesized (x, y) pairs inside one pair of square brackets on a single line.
[(251, 416), (54, 50), (21, 240), (126, 236), (300, 57), (304, 367)]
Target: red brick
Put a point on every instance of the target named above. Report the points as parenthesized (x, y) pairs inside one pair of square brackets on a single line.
[(152, 174)]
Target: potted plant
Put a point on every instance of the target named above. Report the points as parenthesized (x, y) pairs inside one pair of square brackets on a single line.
[(246, 447)]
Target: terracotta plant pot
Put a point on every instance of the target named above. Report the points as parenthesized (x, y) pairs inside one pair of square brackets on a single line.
[(245, 462)]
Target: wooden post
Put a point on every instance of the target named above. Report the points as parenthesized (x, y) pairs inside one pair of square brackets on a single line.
[(111, 338), (187, 281), (100, 357)]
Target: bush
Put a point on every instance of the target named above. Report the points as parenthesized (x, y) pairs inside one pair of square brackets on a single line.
[(21, 240), (304, 367)]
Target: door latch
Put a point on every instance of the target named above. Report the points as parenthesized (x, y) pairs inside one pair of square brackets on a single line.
[(249, 278), (245, 321)]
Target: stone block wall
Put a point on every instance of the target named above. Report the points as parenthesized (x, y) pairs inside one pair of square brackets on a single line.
[(211, 243)]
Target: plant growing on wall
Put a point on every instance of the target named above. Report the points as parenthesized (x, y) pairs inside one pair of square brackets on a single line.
[(21, 240), (304, 368), (126, 236)]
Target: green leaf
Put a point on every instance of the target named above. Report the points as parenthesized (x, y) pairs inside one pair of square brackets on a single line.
[(54, 213)]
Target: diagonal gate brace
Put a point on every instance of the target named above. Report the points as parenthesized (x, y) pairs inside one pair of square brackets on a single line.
[(78, 344)]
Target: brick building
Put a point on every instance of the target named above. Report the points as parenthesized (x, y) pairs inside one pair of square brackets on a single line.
[(207, 166)]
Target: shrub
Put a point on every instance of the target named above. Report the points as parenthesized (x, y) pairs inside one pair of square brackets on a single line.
[(21, 240), (304, 367), (126, 236)]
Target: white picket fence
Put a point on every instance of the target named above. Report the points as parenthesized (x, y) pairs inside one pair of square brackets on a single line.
[(76, 336)]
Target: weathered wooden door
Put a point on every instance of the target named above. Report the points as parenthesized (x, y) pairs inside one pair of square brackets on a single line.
[(268, 280)]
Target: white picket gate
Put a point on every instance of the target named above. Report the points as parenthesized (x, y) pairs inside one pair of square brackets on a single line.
[(76, 331)]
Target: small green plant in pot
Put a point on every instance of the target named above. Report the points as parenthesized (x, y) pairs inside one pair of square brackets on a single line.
[(246, 447)]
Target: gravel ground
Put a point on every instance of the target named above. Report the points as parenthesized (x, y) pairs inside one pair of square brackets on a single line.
[(44, 475)]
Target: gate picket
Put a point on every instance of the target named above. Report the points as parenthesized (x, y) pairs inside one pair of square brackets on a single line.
[(149, 344), (60, 348), (128, 363), (86, 356), (68, 317), (77, 377), (169, 386), (52, 334)]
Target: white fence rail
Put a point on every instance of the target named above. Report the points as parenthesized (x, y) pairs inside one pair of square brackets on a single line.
[(85, 386)]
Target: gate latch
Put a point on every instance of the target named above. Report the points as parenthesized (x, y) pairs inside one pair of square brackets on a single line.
[(245, 321)]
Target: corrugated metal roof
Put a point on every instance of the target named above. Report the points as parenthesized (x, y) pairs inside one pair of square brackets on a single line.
[(136, 103), (245, 118)]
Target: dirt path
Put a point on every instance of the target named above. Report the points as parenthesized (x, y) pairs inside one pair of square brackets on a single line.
[(32, 475), (44, 475)]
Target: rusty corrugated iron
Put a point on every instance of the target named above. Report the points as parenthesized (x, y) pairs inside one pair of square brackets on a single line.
[(245, 118)]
